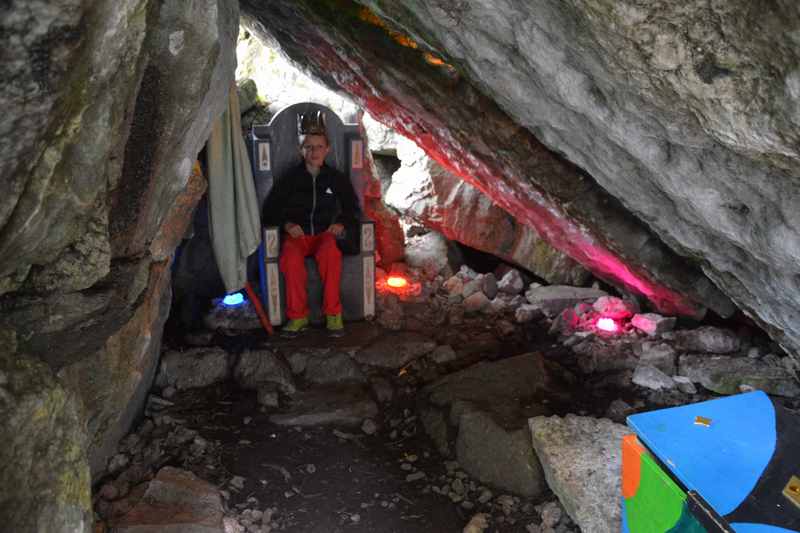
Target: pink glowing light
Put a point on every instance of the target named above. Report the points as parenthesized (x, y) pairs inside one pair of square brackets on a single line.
[(607, 324)]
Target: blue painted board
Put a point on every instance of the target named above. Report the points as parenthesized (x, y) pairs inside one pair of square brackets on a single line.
[(721, 461)]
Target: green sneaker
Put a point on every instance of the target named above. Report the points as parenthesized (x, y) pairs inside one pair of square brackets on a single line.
[(334, 325), (295, 326)]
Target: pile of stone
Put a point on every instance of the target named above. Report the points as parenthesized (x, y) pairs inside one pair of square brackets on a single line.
[(449, 300), (142, 455), (662, 358), (139, 493), (498, 509)]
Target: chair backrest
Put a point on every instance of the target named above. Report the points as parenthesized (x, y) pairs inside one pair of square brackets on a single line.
[(274, 148)]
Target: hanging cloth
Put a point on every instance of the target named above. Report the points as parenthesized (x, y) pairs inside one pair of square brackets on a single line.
[(234, 221)]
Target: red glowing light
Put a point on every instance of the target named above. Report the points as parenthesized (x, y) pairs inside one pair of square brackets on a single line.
[(396, 281), (607, 324)]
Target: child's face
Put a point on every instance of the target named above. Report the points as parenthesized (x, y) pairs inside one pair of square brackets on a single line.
[(314, 149)]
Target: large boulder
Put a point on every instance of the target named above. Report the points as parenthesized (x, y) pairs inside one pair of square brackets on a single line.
[(174, 501), (728, 375), (503, 458), (480, 414), (582, 460)]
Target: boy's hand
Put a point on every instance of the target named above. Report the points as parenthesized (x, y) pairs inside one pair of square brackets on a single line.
[(293, 230), (337, 230)]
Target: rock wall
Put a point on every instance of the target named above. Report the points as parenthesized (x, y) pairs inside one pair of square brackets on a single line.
[(423, 190), (106, 106), (685, 115)]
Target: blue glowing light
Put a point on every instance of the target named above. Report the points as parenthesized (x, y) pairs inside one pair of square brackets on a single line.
[(236, 298)]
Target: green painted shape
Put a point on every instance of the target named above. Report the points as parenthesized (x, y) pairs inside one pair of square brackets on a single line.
[(687, 523), (658, 504)]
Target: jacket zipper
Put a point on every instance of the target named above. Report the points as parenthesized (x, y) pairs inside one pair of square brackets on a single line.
[(313, 201)]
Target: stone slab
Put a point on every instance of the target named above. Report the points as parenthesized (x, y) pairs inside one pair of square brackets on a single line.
[(582, 458)]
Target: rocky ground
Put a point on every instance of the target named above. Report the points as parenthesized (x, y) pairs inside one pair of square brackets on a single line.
[(472, 403)]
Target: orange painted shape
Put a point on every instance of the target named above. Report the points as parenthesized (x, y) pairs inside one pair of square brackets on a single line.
[(631, 465)]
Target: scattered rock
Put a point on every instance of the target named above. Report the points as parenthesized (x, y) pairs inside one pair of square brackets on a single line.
[(600, 355), (117, 463), (619, 410), (708, 339), (472, 287), (226, 317), (257, 367), (342, 405), (613, 307), (552, 299), (653, 324), (527, 313), (198, 367), (416, 476), (685, 384), (551, 514), (477, 524), (454, 286), (335, 367), (175, 500), (443, 354), (511, 282), (725, 375), (652, 378), (660, 355), (476, 302), (754, 352), (489, 285), (268, 395), (369, 426)]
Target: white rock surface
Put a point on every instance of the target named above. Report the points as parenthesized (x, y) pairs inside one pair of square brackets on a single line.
[(581, 458)]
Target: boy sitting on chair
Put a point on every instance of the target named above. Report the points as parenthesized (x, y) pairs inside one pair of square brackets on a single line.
[(312, 203)]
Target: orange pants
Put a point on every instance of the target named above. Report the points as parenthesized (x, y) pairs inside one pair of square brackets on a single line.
[(329, 262)]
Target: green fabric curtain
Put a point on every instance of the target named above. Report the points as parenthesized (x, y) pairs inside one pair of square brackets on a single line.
[(234, 220)]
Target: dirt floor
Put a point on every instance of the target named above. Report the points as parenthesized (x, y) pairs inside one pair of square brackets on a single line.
[(327, 479)]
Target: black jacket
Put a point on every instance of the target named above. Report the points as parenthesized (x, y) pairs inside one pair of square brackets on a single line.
[(312, 203)]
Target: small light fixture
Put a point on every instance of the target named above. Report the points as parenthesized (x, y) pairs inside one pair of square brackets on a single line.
[(232, 300), (607, 324), (397, 282)]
